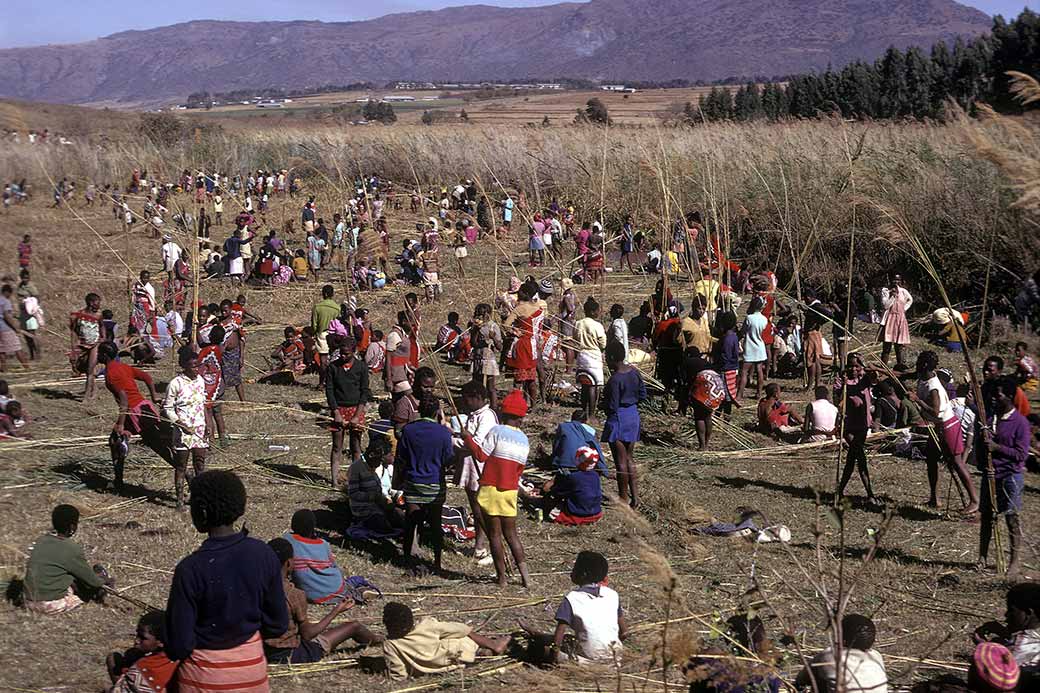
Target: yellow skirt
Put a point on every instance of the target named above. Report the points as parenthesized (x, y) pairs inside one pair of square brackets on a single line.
[(497, 503)]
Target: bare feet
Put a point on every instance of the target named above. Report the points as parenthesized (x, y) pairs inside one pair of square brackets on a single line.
[(499, 645)]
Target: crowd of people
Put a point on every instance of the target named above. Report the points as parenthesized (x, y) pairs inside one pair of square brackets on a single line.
[(399, 437)]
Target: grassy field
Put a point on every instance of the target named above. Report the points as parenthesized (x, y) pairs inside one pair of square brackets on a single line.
[(639, 108), (921, 588)]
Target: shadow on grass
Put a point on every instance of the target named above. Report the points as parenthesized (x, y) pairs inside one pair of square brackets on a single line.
[(100, 483), (292, 471), (907, 512), (51, 393), (895, 555)]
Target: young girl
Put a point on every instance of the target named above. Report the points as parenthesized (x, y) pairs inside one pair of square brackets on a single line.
[(217, 640), (504, 454), (944, 441), (621, 397), (592, 610)]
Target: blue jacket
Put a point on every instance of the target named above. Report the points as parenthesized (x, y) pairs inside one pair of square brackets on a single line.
[(424, 452), (570, 436), (580, 492)]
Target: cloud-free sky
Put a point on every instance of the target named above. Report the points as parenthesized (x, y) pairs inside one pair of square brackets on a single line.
[(66, 21)]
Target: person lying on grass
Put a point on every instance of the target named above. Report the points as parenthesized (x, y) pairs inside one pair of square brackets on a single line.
[(314, 567), (57, 576), (593, 611), (430, 646), (144, 668), (306, 641)]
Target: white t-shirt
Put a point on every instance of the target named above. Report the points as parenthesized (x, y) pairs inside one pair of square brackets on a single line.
[(171, 253), (924, 391), (864, 670)]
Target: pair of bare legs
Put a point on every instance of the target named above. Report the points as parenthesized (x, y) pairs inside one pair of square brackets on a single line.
[(745, 373), (502, 531), (336, 456)]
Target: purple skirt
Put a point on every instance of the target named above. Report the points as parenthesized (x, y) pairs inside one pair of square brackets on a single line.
[(622, 425)]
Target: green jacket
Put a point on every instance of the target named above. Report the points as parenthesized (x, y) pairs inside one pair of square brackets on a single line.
[(55, 563), (325, 311)]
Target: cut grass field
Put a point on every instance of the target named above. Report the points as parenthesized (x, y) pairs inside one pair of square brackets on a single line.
[(921, 589), (526, 107)]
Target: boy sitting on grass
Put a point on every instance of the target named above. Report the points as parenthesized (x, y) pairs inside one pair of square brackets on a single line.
[(863, 670), (1021, 635), (576, 498), (430, 646), (306, 641), (592, 611), (314, 567), (57, 577), (144, 668)]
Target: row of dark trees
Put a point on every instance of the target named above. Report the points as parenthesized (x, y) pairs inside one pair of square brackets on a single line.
[(900, 84)]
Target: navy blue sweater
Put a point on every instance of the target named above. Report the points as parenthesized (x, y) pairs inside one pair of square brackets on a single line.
[(424, 452), (223, 593), (580, 492)]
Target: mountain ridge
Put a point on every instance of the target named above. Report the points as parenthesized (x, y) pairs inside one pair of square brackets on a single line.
[(603, 39)]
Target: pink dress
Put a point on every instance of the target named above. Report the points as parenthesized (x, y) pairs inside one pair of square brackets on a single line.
[(894, 327)]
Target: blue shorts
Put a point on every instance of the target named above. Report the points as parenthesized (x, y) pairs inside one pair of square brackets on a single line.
[(1008, 492)]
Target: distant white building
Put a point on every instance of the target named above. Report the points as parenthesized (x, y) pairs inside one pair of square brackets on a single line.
[(618, 87), (393, 99)]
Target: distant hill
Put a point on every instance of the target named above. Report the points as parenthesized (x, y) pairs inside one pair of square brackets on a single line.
[(601, 39)]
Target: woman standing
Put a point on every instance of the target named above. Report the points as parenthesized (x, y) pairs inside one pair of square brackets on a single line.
[(895, 330), (627, 244), (568, 316), (486, 339), (854, 391), (945, 441), (622, 395), (755, 351), (526, 323), (225, 597)]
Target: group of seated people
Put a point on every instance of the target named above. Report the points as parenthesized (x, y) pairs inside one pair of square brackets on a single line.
[(58, 580)]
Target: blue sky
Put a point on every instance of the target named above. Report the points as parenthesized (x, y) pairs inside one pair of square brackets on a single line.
[(64, 21)]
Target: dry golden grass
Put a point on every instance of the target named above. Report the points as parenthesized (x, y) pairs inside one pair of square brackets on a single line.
[(920, 590)]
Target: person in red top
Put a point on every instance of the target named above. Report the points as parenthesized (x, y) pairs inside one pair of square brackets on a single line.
[(137, 415), (774, 417), (145, 668), (503, 452)]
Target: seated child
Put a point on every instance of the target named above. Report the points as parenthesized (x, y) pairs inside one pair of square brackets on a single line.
[(57, 577), (139, 348), (576, 498), (311, 358), (12, 422), (144, 668), (306, 641), (300, 266), (430, 646), (314, 567), (1026, 370), (1022, 633), (572, 435), (993, 670), (724, 660), (774, 417), (864, 669), (373, 503), (448, 336), (593, 611), (288, 360), (375, 354)]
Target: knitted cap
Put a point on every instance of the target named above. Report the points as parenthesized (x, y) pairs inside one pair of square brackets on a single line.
[(586, 458), (514, 404), (995, 666), (546, 287)]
